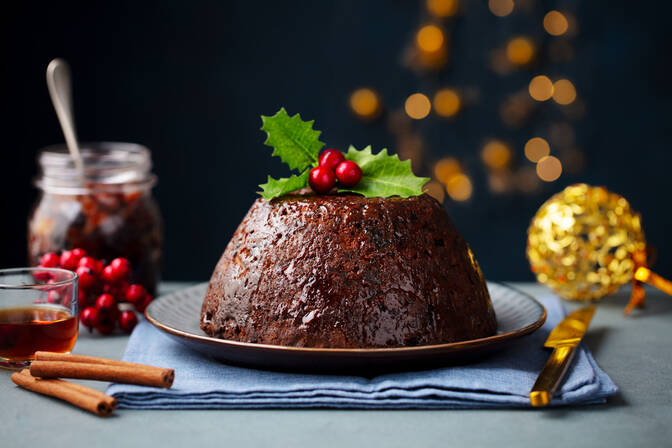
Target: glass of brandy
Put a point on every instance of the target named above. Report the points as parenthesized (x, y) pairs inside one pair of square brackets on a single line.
[(38, 311)]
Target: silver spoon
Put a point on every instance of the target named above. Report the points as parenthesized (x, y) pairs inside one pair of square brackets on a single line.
[(60, 90)]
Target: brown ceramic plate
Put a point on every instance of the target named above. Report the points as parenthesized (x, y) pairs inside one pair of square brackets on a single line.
[(178, 315)]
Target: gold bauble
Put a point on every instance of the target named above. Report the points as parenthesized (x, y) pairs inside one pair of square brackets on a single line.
[(582, 241)]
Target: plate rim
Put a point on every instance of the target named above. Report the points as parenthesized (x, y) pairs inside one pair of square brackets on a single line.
[(452, 346)]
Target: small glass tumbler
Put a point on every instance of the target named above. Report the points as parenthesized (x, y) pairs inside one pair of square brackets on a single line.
[(38, 311)]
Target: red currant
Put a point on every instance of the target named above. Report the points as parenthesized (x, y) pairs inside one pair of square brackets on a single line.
[(105, 326), (122, 267), (330, 158), (53, 296), (118, 289), (109, 275), (82, 299), (91, 263), (142, 304), (321, 179), (69, 260), (135, 293), (50, 260), (79, 253), (87, 278), (106, 303), (348, 173), (127, 321), (89, 316)]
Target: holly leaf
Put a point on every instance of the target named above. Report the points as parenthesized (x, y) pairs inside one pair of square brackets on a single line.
[(292, 139), (277, 187), (383, 175)]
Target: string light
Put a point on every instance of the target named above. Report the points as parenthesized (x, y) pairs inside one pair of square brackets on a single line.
[(430, 39), (564, 92), (446, 168), (435, 190), (549, 168), (541, 88), (536, 148), (443, 8), (459, 187), (365, 103), (447, 102), (496, 155), (555, 23), (417, 106), (520, 51), (501, 8)]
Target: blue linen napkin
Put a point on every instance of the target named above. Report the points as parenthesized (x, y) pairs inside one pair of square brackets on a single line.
[(500, 380)]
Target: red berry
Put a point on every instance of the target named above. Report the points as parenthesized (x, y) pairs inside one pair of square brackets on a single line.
[(109, 275), (135, 293), (142, 304), (348, 173), (118, 289), (122, 267), (106, 303), (91, 263), (127, 321), (87, 278), (89, 316), (79, 253), (43, 276), (50, 260), (330, 158), (321, 179), (53, 296), (82, 299), (105, 326), (70, 260)]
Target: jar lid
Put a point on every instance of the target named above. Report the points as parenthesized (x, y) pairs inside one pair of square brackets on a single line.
[(106, 165)]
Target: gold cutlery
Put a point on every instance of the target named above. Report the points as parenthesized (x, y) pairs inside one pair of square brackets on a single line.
[(563, 340)]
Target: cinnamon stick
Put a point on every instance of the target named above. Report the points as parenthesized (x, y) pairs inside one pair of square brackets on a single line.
[(136, 374), (55, 356), (81, 396)]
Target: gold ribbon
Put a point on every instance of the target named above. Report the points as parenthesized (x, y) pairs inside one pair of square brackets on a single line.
[(644, 275)]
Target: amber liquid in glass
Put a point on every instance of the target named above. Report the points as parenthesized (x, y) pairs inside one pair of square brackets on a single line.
[(25, 330)]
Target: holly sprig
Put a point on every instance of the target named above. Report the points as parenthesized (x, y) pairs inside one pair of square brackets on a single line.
[(298, 145)]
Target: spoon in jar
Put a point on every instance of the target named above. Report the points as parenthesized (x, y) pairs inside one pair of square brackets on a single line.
[(60, 90)]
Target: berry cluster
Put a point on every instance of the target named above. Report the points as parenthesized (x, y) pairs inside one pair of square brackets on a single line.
[(102, 289), (331, 166)]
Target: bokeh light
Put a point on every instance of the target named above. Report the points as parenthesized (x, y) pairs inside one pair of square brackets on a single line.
[(536, 148), (430, 39), (527, 180), (555, 23), (500, 181), (417, 106), (459, 187), (541, 88), (443, 8), (447, 102), (564, 92), (447, 168), (520, 50), (365, 103), (501, 8), (549, 168), (515, 110), (561, 134), (496, 154), (435, 189)]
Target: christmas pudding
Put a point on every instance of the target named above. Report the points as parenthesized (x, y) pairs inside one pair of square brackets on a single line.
[(350, 272), (346, 253)]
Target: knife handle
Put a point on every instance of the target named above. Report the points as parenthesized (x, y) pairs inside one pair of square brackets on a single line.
[(551, 375)]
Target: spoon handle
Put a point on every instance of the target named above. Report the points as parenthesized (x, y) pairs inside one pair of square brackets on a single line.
[(60, 90)]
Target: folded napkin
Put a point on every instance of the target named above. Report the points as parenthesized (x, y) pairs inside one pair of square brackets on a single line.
[(500, 380)]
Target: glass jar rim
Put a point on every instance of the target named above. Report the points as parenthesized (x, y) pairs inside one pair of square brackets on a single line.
[(108, 165), (70, 277)]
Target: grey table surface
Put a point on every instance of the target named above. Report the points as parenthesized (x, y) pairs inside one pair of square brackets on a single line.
[(635, 351)]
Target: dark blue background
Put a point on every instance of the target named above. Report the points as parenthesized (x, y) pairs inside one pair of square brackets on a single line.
[(190, 79)]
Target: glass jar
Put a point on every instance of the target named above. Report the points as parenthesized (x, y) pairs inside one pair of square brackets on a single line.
[(109, 211)]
